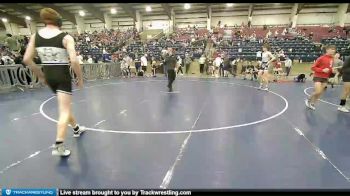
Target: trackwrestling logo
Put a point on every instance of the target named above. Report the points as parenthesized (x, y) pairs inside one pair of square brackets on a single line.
[(8, 192)]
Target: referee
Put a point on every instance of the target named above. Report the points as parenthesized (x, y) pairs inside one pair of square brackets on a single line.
[(170, 63)]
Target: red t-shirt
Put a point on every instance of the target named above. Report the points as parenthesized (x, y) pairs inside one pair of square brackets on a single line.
[(321, 63), (277, 65)]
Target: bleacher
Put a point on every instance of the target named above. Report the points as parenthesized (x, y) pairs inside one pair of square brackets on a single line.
[(343, 46), (300, 49), (294, 46), (109, 43)]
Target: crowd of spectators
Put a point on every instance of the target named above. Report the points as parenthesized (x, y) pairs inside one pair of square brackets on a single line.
[(112, 45)]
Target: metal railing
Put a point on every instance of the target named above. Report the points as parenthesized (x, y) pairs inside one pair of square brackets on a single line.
[(19, 77)]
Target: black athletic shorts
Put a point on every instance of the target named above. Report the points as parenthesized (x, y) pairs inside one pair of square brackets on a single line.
[(322, 80), (58, 78), (171, 74), (263, 67)]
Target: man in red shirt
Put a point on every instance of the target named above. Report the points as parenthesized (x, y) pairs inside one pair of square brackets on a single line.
[(322, 70)]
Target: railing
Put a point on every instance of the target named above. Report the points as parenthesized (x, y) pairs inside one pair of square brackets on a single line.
[(18, 77), (158, 36)]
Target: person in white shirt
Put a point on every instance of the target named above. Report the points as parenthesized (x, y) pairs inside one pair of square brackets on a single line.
[(144, 62), (80, 58), (218, 61), (7, 60), (258, 56), (268, 34), (284, 31), (201, 62), (154, 66), (281, 53), (128, 62), (124, 67), (234, 67), (179, 65), (90, 59), (164, 51), (288, 64), (200, 51), (87, 39), (265, 67)]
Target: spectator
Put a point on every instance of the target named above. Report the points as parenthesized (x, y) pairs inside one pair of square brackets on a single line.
[(18, 58), (218, 63), (106, 58), (188, 61), (87, 39), (284, 32), (281, 55), (7, 60), (201, 63), (268, 34), (90, 59), (234, 67), (311, 35), (137, 63), (226, 65), (1, 61), (288, 65), (154, 66), (144, 62), (258, 55), (80, 58), (179, 65), (11, 43), (124, 66), (95, 59)]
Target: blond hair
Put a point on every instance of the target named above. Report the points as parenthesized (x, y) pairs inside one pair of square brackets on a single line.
[(50, 16)]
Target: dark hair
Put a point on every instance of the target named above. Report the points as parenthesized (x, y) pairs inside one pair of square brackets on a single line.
[(267, 47), (330, 47)]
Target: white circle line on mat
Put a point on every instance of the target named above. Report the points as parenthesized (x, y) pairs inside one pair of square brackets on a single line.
[(178, 132)]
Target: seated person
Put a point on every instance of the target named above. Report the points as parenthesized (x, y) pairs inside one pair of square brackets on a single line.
[(300, 78)]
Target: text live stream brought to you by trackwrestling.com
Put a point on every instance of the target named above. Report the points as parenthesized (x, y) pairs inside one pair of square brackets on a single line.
[(68, 192)]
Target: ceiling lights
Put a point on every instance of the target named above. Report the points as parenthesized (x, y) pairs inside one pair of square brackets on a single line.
[(81, 13), (187, 6), (148, 9), (113, 11)]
